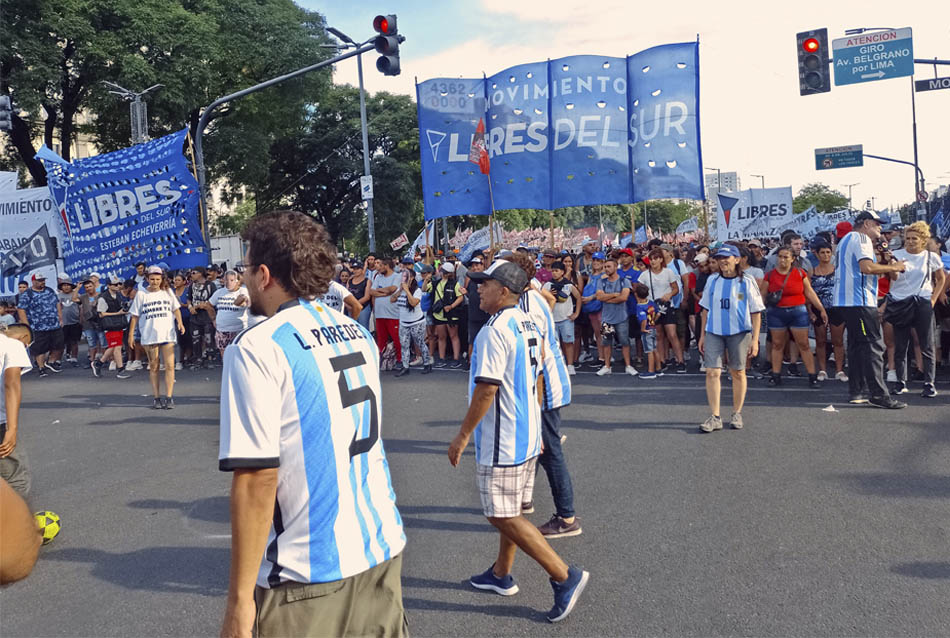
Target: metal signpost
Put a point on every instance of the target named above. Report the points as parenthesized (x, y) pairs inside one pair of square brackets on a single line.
[(839, 157), (872, 56)]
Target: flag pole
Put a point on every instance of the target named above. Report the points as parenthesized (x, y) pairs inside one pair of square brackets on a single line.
[(491, 218)]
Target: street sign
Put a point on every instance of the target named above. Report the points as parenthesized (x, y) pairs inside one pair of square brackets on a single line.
[(932, 84), (839, 157), (922, 196), (875, 55), (366, 186)]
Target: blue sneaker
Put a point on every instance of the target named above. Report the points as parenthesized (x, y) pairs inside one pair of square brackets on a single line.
[(648, 375), (502, 586), (567, 593)]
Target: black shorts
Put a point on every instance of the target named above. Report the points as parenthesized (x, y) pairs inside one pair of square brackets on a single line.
[(669, 318), (835, 316), (72, 333), (473, 328), (47, 341)]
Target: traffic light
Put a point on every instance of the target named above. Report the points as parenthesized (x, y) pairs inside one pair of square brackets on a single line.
[(814, 75), (6, 114), (387, 44)]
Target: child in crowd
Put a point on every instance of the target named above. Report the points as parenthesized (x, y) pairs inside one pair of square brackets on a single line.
[(646, 315)]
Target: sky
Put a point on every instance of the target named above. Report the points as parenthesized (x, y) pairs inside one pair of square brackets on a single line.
[(753, 120)]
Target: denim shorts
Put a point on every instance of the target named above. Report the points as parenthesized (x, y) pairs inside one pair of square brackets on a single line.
[(648, 339), (621, 333), (789, 317), (565, 330), (95, 338)]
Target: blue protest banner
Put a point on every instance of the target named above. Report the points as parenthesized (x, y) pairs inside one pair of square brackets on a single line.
[(136, 204), (581, 130)]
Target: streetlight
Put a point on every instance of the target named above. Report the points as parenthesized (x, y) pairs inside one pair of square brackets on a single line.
[(370, 218), (137, 108), (850, 207), (762, 177)]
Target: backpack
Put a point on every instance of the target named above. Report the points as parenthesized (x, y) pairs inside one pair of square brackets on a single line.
[(112, 323)]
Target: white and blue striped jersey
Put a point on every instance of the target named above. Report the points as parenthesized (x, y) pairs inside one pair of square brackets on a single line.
[(730, 303), (853, 287), (506, 353), (300, 392), (557, 383)]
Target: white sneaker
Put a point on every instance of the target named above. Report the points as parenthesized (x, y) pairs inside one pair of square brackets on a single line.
[(112, 365), (585, 357), (892, 376), (161, 367), (571, 371), (134, 365), (631, 371), (822, 376), (702, 367), (178, 365), (841, 376), (603, 371), (416, 362)]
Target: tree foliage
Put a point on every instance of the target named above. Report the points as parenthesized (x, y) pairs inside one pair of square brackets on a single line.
[(822, 197)]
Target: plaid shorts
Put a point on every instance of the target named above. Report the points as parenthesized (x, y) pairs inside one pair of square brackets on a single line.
[(504, 489), (224, 339)]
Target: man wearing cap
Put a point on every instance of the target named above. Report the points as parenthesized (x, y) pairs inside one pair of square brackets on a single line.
[(586, 260), (72, 330), (505, 416), (758, 255), (855, 297), (39, 308), (544, 274), (112, 318), (476, 316), (447, 295)]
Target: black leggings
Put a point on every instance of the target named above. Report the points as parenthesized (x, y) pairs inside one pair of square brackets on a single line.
[(202, 336)]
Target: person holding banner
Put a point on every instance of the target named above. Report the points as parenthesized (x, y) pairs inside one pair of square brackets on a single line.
[(158, 307)]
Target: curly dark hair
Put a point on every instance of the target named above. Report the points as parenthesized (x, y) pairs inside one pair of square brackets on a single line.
[(295, 248), (524, 262)]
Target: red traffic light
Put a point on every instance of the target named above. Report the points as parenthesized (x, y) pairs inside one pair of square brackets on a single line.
[(811, 45), (385, 25)]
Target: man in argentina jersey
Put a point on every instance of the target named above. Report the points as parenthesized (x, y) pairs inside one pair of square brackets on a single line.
[(313, 513), (555, 394), (732, 312), (855, 300), (505, 416)]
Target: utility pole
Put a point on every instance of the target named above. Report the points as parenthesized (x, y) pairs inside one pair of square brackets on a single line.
[(763, 179), (850, 206)]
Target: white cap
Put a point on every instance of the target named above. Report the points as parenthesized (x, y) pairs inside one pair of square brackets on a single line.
[(448, 267), (95, 274)]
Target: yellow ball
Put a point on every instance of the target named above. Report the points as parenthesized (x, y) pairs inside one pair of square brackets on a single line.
[(49, 525)]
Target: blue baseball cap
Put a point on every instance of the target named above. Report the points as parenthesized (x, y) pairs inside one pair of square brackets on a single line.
[(727, 250), (599, 255)]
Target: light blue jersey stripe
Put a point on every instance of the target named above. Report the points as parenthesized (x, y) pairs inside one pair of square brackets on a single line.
[(522, 418), (364, 421), (742, 305), (319, 463)]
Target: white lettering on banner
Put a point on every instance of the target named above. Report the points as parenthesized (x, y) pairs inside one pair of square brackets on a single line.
[(109, 207), (754, 213), (22, 214)]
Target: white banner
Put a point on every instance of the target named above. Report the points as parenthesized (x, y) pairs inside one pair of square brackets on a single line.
[(7, 181), (690, 225), (22, 214), (756, 212), (399, 242)]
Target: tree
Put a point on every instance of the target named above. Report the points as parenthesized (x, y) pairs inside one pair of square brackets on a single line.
[(58, 52), (822, 197)]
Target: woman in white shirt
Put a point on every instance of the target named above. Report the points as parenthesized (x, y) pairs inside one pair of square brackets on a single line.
[(230, 310), (412, 325), (664, 284), (910, 304), (155, 311)]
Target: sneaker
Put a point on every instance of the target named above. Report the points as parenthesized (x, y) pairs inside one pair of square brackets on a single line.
[(134, 365), (426, 369), (892, 376), (822, 376), (416, 362), (603, 371), (440, 363), (702, 367), (887, 403), (793, 370), (858, 399), (505, 586), (157, 404), (899, 388), (455, 364), (558, 528), (112, 365), (178, 365), (122, 373), (398, 366), (841, 376), (401, 372), (43, 372), (585, 357), (53, 367), (813, 381), (736, 421), (571, 371), (775, 380), (161, 367), (631, 371), (96, 368), (681, 368), (929, 391), (711, 424), (567, 593), (169, 403), (527, 508), (648, 375), (563, 438)]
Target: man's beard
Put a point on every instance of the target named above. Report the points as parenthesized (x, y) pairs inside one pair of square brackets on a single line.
[(256, 308)]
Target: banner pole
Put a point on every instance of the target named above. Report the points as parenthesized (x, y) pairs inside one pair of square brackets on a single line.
[(551, 231), (201, 200), (491, 218)]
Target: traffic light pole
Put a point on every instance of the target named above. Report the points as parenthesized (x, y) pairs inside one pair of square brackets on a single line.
[(206, 116), (370, 219)]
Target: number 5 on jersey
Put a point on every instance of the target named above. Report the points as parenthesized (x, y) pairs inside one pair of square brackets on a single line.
[(354, 396)]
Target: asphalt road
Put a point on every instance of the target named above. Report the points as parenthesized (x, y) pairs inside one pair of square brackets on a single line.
[(806, 522)]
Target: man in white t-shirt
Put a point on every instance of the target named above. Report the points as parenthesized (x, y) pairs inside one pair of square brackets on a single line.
[(337, 296), (14, 362), (386, 282)]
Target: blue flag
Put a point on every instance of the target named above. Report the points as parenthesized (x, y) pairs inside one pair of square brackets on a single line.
[(136, 204), (581, 130)]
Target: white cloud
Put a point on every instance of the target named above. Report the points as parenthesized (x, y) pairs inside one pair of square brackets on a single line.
[(753, 120)]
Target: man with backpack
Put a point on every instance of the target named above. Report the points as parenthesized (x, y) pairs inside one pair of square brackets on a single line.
[(202, 316), (112, 318)]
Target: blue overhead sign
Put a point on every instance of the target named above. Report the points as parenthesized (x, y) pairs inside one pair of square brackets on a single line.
[(874, 55), (839, 157)]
